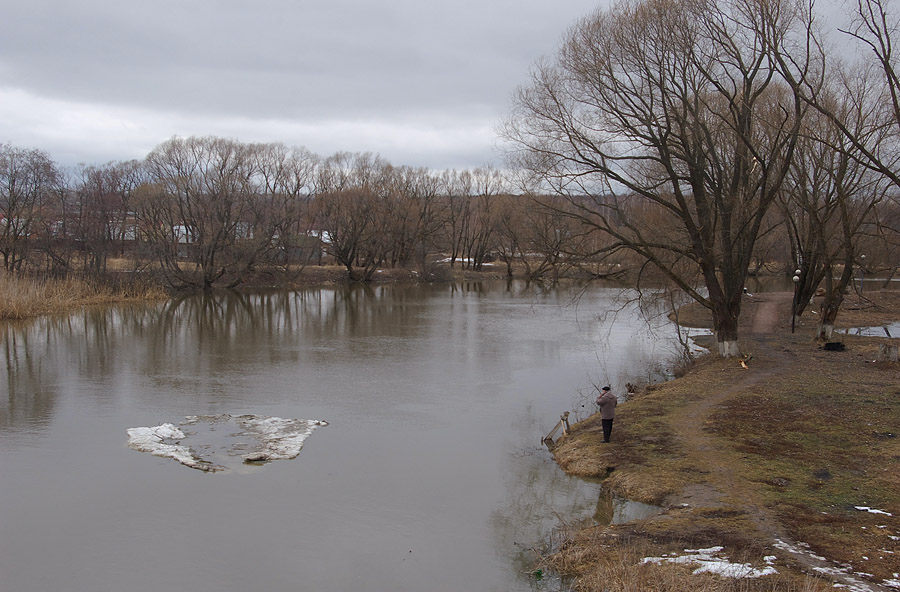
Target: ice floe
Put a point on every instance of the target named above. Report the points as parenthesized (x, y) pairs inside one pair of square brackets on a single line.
[(198, 442), (162, 440), (709, 560)]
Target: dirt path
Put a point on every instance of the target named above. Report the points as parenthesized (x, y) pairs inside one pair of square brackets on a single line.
[(724, 487)]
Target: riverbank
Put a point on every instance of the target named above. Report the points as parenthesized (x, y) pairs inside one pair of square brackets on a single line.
[(791, 465)]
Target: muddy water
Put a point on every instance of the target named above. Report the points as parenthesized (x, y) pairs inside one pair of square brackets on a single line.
[(429, 476)]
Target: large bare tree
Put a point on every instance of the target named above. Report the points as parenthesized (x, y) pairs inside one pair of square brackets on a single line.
[(670, 127), (200, 209)]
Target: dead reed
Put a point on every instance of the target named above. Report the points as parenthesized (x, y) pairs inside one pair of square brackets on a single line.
[(27, 297)]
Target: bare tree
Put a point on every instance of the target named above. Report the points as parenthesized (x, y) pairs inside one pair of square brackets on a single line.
[(97, 213), (203, 198), (28, 178), (872, 85), (829, 205), (284, 183), (349, 208), (419, 215), (674, 113), (457, 186)]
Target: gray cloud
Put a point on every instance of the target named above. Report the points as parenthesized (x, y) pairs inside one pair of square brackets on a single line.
[(402, 70)]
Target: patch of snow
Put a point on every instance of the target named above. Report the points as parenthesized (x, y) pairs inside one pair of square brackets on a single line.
[(893, 583), (852, 584), (709, 561), (872, 510), (800, 549), (275, 438), (464, 260)]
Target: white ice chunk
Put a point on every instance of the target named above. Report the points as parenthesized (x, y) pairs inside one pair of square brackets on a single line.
[(281, 439), (153, 440), (275, 438)]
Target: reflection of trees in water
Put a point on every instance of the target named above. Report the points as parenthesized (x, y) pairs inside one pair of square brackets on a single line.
[(191, 341), (536, 497), (43, 356), (275, 324), (30, 377)]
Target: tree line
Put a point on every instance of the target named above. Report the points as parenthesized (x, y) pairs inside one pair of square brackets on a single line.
[(210, 212)]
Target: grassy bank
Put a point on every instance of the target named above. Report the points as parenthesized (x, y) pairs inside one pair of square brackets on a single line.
[(26, 297), (787, 450)]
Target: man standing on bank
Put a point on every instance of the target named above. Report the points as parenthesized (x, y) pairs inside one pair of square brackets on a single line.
[(607, 402)]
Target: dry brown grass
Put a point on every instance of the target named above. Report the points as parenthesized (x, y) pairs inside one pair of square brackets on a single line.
[(22, 298)]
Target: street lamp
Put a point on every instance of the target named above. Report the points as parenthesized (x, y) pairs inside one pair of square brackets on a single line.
[(796, 280), (862, 271)]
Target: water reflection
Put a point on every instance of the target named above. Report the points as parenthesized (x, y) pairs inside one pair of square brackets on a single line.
[(30, 380), (890, 331), (616, 510), (542, 503)]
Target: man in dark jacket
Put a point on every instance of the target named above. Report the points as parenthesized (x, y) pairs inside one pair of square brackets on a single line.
[(607, 402)]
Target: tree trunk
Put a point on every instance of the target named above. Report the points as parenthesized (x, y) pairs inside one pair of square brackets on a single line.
[(725, 325), (827, 314)]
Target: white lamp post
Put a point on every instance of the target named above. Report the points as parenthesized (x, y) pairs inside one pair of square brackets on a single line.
[(796, 280)]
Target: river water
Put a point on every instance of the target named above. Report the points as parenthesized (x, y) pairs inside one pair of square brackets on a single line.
[(429, 476)]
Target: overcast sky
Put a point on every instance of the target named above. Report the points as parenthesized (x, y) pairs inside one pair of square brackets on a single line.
[(421, 83)]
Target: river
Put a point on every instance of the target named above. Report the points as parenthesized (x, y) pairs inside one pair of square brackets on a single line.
[(429, 476)]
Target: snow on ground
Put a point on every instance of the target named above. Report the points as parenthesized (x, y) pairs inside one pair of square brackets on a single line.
[(872, 510), (846, 578), (709, 560), (274, 438)]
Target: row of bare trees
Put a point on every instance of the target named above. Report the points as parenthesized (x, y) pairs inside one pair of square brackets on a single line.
[(706, 131), (210, 211)]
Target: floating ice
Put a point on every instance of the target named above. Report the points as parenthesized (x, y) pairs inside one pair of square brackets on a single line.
[(709, 562), (154, 441), (200, 445)]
